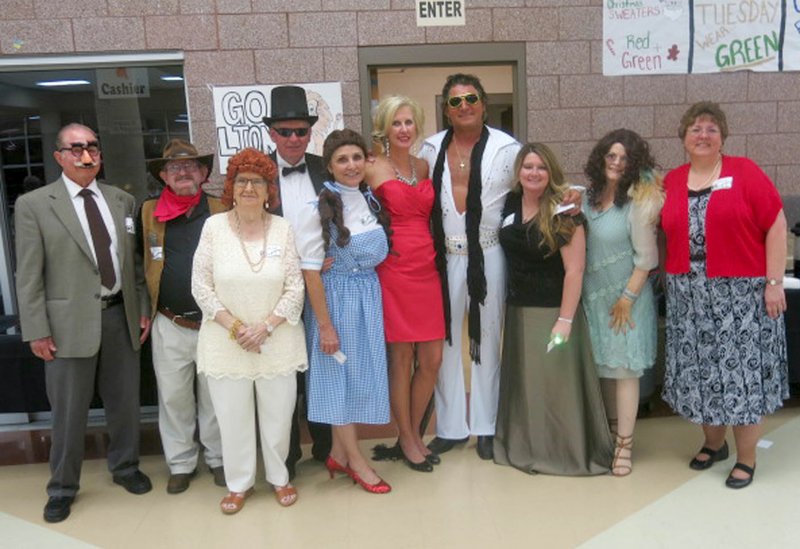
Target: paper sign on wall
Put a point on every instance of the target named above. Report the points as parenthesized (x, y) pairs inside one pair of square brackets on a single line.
[(239, 110), (440, 13)]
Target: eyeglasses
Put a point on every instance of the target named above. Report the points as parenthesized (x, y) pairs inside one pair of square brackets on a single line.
[(92, 147), (174, 168), (611, 158), (455, 101), (243, 182), (287, 132)]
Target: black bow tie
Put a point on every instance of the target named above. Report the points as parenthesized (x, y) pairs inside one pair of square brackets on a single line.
[(289, 169)]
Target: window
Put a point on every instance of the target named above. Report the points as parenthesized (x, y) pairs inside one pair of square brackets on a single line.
[(135, 103)]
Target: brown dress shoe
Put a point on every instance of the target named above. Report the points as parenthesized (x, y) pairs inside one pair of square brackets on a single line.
[(179, 482)]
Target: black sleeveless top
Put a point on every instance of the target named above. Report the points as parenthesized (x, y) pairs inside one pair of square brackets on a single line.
[(533, 279)]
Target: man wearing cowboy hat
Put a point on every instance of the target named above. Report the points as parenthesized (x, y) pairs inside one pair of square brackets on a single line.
[(170, 230), (300, 178)]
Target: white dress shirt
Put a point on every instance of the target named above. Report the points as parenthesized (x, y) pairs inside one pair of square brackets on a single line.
[(297, 191), (77, 202)]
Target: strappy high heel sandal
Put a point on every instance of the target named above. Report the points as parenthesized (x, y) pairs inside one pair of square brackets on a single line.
[(622, 466)]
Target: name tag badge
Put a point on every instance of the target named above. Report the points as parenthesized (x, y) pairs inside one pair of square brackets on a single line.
[(129, 226), (157, 253), (508, 220), (273, 251), (722, 183)]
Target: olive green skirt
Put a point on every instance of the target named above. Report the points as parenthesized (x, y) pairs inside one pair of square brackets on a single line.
[(550, 416)]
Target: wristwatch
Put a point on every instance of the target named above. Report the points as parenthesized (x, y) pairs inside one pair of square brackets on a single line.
[(774, 281), (270, 327)]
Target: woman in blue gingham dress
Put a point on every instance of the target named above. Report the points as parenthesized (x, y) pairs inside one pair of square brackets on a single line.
[(356, 391), (348, 373)]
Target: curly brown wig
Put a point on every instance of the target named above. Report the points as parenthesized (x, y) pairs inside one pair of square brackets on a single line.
[(252, 161), (331, 209), (640, 160)]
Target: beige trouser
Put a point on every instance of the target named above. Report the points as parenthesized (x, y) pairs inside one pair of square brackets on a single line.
[(237, 401)]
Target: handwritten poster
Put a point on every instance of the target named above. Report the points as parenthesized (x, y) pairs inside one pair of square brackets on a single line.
[(700, 36), (791, 62), (645, 37), (239, 110)]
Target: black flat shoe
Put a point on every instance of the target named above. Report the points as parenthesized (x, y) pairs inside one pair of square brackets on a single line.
[(433, 459), (423, 466), (713, 456), (485, 447), (135, 483), (441, 445), (58, 508), (736, 483)]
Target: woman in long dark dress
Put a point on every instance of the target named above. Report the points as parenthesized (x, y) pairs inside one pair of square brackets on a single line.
[(550, 416)]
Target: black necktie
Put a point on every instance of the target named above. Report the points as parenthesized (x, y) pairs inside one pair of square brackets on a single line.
[(289, 169), (100, 239)]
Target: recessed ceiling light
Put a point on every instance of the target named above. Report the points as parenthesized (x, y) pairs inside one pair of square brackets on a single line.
[(60, 83)]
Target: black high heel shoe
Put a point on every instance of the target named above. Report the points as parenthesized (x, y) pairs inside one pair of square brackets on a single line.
[(423, 466)]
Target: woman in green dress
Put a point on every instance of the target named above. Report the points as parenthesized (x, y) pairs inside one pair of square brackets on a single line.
[(621, 208)]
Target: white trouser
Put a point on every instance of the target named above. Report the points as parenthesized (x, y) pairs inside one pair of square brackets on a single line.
[(180, 408), (451, 399), (236, 402)]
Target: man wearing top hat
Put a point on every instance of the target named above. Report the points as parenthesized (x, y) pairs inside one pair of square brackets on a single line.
[(170, 230), (300, 178)]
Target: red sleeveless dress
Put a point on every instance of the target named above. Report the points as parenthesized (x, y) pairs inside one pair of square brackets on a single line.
[(412, 291)]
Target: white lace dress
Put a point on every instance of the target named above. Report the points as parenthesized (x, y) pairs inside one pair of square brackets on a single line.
[(222, 279)]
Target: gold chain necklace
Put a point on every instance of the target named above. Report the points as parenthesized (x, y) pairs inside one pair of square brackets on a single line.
[(257, 265), (461, 164)]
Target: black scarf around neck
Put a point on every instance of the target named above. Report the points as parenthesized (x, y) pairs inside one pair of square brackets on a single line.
[(476, 278)]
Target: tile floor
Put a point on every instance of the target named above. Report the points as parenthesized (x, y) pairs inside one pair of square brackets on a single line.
[(465, 503)]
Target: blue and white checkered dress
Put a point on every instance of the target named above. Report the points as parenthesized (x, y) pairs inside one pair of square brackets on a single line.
[(358, 390)]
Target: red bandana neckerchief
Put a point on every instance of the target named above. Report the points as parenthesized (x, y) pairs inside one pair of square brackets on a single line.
[(171, 205)]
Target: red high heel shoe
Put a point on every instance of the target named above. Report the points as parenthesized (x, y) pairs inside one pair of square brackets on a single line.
[(334, 467), (381, 487)]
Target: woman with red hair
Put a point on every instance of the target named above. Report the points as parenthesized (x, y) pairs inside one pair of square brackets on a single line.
[(247, 281)]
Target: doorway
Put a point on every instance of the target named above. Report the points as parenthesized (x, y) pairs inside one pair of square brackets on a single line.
[(420, 72)]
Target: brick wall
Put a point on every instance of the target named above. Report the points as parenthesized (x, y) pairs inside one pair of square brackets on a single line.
[(570, 103)]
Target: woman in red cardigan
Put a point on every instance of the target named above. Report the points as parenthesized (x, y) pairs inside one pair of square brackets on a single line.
[(726, 245)]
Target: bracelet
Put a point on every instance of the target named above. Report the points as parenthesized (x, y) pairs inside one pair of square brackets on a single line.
[(234, 329), (629, 295), (270, 327), (567, 320)]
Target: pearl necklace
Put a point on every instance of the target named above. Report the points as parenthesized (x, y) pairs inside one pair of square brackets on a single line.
[(258, 264), (708, 181)]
